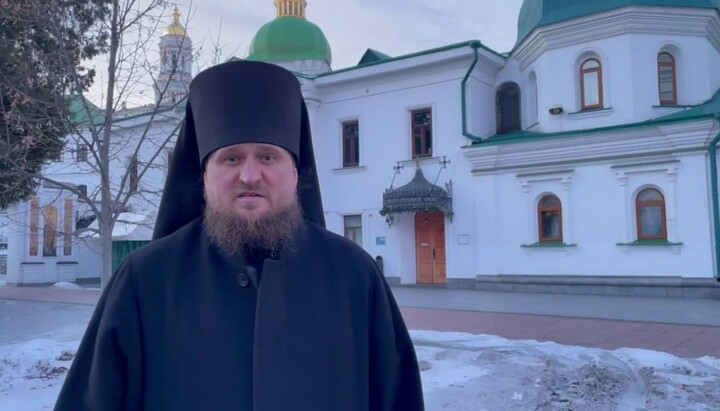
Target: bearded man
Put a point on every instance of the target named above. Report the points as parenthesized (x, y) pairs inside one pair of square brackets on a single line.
[(244, 301)]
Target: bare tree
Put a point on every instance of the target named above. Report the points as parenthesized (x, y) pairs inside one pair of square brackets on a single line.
[(116, 149)]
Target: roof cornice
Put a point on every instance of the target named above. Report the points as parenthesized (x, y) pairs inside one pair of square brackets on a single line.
[(409, 62), (664, 139), (627, 20)]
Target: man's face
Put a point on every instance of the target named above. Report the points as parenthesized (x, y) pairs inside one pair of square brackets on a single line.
[(250, 180)]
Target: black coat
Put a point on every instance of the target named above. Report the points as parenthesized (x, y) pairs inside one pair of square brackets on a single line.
[(182, 327)]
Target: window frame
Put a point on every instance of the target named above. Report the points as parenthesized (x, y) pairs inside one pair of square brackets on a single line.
[(638, 214), (351, 143), (81, 154), (583, 72), (426, 150), (503, 107), (543, 209), (353, 230), (673, 65)]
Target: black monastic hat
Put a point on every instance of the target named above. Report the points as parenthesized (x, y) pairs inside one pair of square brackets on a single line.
[(231, 103)]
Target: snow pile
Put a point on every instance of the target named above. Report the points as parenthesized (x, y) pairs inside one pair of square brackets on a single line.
[(460, 372), (479, 372), (64, 285), (36, 359)]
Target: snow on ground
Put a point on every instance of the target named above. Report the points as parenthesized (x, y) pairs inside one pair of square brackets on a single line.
[(460, 372), (64, 285)]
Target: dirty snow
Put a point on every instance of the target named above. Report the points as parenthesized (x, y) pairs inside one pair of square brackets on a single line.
[(459, 372), (64, 285)]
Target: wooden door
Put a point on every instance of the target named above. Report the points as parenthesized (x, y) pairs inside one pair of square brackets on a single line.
[(430, 247)]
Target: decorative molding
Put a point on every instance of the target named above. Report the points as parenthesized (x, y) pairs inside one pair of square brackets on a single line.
[(618, 22), (584, 146)]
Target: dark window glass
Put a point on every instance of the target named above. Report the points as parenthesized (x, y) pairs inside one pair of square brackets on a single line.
[(421, 133), (351, 143), (507, 106)]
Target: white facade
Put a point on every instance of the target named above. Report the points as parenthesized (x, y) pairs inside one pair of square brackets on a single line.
[(595, 162)]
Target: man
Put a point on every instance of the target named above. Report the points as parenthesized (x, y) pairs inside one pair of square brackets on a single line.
[(244, 301)]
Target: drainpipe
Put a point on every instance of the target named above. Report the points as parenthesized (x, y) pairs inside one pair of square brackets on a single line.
[(716, 207), (463, 93)]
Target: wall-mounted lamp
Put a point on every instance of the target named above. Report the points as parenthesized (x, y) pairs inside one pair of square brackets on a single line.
[(556, 109)]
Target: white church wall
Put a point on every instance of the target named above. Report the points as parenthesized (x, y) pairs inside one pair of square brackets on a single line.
[(598, 214), (384, 121)]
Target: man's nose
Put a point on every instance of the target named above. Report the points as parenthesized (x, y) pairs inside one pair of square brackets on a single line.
[(250, 173)]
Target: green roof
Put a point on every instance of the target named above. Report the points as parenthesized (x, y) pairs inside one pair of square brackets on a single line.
[(290, 39), (538, 13), (78, 115), (708, 109), (372, 56)]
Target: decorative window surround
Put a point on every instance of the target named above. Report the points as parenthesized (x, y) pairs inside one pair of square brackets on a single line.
[(623, 173), (561, 177)]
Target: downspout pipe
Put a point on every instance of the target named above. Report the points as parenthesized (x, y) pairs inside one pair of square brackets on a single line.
[(712, 150), (463, 93)]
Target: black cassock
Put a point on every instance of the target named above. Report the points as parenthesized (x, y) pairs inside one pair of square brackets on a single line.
[(182, 326)]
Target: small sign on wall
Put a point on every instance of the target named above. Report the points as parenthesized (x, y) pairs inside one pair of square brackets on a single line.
[(379, 240), (463, 239)]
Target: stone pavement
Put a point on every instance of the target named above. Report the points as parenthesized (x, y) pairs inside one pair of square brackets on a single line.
[(684, 327)]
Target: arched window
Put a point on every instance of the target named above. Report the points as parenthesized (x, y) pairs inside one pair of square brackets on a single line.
[(650, 212), (50, 228), (550, 219), (591, 84), (667, 81), (507, 106)]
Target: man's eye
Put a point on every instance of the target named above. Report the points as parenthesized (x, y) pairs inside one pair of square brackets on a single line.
[(231, 159), (268, 158)]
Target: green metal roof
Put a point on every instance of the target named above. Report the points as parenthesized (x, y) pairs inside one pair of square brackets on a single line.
[(538, 13), (708, 109), (372, 56), (290, 39), (470, 43), (78, 115)]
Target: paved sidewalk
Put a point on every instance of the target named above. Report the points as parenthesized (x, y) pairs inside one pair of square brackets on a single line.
[(684, 327)]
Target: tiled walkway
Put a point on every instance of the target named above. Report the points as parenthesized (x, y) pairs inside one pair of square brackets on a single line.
[(678, 339)]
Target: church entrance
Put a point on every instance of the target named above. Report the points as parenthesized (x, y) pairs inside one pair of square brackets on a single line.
[(430, 247)]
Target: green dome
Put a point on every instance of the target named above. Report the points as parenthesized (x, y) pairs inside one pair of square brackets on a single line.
[(290, 39), (537, 13)]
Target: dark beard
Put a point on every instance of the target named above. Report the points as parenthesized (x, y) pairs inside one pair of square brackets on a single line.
[(270, 233)]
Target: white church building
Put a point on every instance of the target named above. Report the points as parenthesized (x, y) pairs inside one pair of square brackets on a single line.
[(583, 160)]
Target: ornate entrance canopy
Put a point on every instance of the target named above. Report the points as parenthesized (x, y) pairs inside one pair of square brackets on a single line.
[(419, 195)]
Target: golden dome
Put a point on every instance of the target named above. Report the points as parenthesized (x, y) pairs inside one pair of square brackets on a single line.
[(175, 29)]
